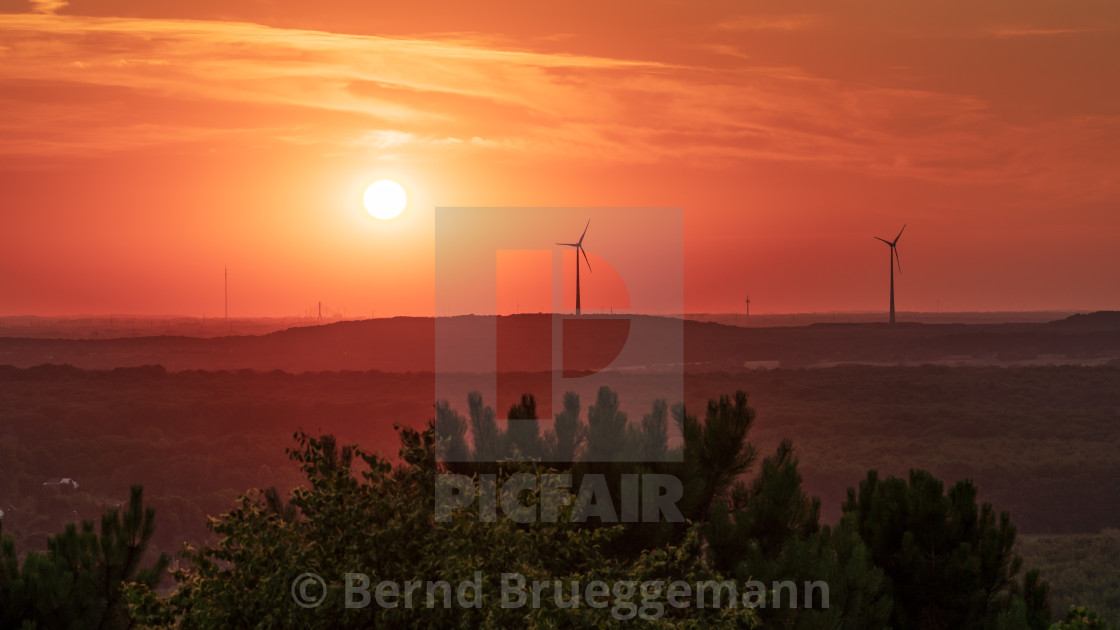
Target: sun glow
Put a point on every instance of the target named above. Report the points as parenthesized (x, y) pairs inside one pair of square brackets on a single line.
[(384, 199)]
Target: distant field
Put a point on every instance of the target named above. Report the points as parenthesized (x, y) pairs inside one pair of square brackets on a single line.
[(1040, 442), (1043, 443), (1083, 570)]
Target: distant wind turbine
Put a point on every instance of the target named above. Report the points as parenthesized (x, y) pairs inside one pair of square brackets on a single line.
[(579, 248), (894, 261)]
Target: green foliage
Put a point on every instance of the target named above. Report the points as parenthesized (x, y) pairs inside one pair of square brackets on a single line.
[(523, 429), (716, 452), (487, 436), (360, 514), (950, 563), (606, 428), (568, 432), (81, 581), (1081, 618), (453, 429), (770, 532), (652, 436), (905, 555)]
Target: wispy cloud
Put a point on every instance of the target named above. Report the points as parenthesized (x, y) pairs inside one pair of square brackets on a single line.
[(442, 85), (376, 95), (48, 7), (726, 50), (1021, 31), (790, 22)]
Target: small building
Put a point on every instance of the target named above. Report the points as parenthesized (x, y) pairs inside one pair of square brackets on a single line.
[(61, 481)]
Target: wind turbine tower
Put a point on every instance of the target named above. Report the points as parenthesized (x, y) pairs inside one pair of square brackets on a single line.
[(893, 261), (579, 248)]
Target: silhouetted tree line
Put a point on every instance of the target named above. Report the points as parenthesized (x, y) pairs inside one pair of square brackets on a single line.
[(906, 553)]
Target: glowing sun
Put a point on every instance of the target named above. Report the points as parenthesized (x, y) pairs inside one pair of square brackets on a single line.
[(384, 199)]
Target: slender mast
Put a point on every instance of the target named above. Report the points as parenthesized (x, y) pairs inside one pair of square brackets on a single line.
[(891, 261), (577, 281)]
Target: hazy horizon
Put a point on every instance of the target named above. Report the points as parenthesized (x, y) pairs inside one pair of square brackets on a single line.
[(87, 326), (587, 312)]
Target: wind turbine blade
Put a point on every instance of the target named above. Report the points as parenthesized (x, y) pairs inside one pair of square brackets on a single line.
[(584, 231), (569, 244), (900, 233), (896, 260), (884, 240), (585, 258)]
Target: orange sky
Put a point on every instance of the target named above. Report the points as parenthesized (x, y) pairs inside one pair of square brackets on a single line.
[(144, 145)]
